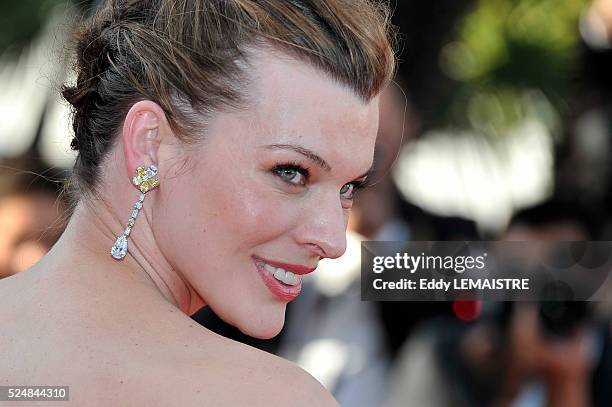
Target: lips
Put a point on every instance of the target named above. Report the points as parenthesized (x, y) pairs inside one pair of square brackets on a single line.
[(282, 291), (294, 268)]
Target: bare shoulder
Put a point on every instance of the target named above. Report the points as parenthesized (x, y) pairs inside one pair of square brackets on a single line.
[(309, 391), (228, 373), (295, 386)]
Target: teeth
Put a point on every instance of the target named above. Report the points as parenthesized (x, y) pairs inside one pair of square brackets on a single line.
[(290, 278), (282, 275), (279, 274)]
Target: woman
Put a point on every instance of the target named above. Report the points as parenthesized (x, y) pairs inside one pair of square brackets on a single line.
[(220, 146)]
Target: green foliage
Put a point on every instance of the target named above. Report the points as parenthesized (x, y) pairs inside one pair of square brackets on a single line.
[(21, 20), (505, 48)]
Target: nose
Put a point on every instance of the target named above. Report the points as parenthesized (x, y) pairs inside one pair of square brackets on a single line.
[(323, 228)]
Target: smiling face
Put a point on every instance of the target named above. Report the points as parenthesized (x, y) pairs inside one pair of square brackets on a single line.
[(272, 182)]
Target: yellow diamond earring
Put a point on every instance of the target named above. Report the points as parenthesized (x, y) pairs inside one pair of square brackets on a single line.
[(146, 180)]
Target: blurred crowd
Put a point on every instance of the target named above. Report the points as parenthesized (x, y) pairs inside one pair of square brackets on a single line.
[(498, 127)]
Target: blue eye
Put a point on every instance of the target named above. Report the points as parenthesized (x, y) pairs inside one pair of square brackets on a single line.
[(293, 173), (353, 187), (344, 189), (297, 175)]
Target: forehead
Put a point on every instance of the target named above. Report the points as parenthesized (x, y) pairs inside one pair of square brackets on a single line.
[(293, 102)]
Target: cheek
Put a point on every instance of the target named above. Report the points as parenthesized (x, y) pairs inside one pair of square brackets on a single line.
[(243, 214), (219, 216)]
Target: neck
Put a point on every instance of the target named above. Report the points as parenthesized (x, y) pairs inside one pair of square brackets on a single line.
[(92, 230)]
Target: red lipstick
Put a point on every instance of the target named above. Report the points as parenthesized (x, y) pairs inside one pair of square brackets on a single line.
[(281, 290), (294, 268)]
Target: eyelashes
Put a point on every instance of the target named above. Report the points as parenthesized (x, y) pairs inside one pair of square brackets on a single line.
[(288, 171), (358, 185)]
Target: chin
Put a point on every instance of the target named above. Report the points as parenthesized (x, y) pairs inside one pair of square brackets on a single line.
[(266, 327)]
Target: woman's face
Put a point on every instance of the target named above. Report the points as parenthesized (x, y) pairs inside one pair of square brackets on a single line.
[(245, 198)]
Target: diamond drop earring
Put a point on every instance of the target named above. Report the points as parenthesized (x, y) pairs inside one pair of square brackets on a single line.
[(146, 180)]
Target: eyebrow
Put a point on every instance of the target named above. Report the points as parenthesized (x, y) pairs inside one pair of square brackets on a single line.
[(311, 155)]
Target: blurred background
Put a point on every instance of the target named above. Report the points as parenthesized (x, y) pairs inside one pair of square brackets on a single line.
[(499, 126)]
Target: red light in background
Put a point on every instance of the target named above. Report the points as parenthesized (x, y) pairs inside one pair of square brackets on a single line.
[(467, 310)]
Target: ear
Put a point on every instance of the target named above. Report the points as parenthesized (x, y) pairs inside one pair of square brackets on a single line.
[(144, 126)]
